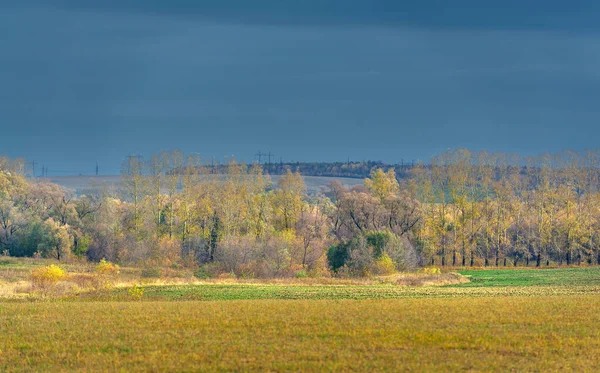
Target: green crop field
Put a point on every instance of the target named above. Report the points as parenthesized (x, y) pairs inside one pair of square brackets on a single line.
[(503, 320), (533, 277)]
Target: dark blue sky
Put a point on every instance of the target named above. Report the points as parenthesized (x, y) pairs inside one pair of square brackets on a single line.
[(307, 80)]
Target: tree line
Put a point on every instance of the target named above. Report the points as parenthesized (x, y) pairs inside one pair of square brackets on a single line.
[(487, 209), (461, 209), (350, 169)]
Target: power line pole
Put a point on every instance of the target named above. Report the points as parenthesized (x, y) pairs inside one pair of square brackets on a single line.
[(33, 163), (270, 155), (259, 155), (97, 168)]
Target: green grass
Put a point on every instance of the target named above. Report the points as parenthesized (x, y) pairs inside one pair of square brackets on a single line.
[(528, 282), (466, 334), (220, 292), (533, 277)]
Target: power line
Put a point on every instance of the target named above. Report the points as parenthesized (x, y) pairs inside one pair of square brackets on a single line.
[(259, 155)]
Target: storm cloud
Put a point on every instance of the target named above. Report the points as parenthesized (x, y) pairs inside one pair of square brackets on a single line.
[(308, 80)]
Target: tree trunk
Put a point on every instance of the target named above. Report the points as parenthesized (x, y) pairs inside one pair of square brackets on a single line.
[(443, 257), (538, 260)]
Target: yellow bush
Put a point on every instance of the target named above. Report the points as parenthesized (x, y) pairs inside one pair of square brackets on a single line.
[(45, 277), (431, 271), (107, 268), (136, 292), (384, 265)]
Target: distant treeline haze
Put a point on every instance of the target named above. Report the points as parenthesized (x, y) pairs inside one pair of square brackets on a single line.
[(327, 169), (462, 209)]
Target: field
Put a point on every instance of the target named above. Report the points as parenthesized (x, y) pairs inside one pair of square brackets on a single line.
[(520, 320)]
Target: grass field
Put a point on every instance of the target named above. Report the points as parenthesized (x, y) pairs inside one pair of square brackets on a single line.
[(503, 320), (496, 333), (533, 277)]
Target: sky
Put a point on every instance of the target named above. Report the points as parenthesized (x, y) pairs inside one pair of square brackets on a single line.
[(313, 80)]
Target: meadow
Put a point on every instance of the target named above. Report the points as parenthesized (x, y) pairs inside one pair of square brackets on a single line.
[(476, 334), (525, 320)]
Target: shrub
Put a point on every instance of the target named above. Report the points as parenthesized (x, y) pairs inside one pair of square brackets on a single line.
[(150, 273), (254, 269), (136, 292), (301, 274), (379, 241), (209, 270), (431, 271), (384, 265), (337, 255), (107, 268), (44, 277), (227, 276), (201, 273)]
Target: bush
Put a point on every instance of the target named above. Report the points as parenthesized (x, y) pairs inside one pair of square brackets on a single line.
[(431, 271), (254, 269), (201, 273), (384, 265), (44, 277), (209, 270), (136, 292), (337, 255), (227, 276), (301, 274), (107, 268), (150, 273)]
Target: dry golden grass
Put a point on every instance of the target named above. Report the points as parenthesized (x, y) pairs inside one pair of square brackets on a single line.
[(430, 279), (502, 321), (84, 277), (484, 334)]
